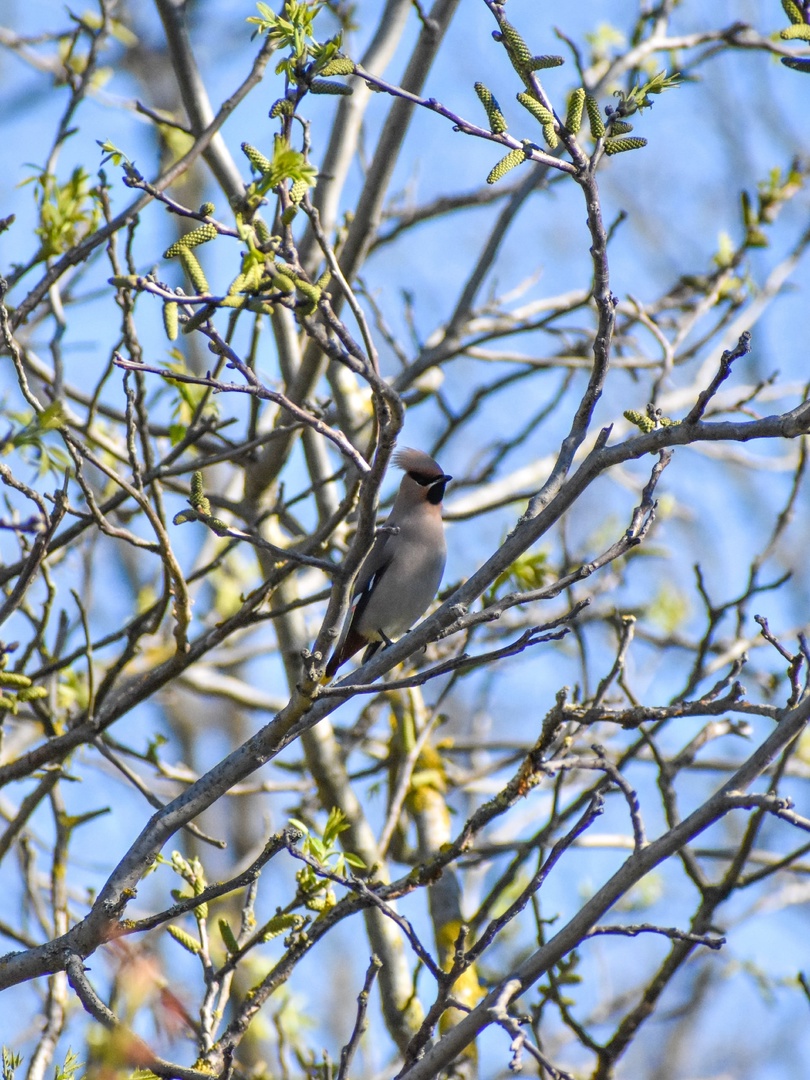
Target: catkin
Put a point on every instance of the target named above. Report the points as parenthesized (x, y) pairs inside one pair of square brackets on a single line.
[(538, 111), (194, 271), (792, 12), (191, 240), (573, 119), (256, 157), (497, 121), (326, 86), (339, 65), (796, 32), (620, 146), (594, 117), (513, 158), (282, 107), (170, 321), (516, 48), (546, 61)]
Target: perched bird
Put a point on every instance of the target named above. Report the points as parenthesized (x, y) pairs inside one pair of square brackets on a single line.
[(401, 574)]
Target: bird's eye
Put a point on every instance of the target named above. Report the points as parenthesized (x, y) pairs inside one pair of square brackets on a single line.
[(422, 479)]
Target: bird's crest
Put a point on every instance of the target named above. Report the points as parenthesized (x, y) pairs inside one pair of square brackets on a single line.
[(416, 461)]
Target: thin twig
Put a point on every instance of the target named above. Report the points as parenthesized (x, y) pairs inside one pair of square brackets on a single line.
[(361, 1021)]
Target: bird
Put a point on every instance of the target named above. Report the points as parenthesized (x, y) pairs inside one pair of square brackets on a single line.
[(401, 574)]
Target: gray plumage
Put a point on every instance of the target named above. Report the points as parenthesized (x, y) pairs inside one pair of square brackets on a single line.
[(401, 574)]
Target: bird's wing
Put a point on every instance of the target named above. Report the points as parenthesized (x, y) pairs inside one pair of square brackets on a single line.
[(376, 563), (377, 560)]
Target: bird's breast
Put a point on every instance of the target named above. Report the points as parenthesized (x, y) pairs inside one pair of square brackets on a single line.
[(408, 584)]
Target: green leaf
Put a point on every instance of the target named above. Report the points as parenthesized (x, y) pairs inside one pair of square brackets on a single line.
[(529, 571), (68, 212), (112, 153), (336, 823), (638, 97), (69, 1068), (10, 1063), (669, 609)]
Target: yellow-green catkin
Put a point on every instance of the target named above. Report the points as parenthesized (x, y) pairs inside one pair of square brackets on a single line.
[(536, 108), (326, 86), (283, 282), (513, 158), (573, 119), (298, 191), (339, 65), (193, 270), (643, 422), (256, 158), (237, 285), (282, 107), (189, 943), (620, 146), (792, 12), (191, 239), (262, 231), (539, 63), (541, 113), (197, 496), (620, 127), (252, 277), (279, 924), (170, 320), (228, 937), (796, 32), (594, 117), (516, 48), (13, 678), (311, 294), (497, 121), (207, 209), (201, 315), (31, 693)]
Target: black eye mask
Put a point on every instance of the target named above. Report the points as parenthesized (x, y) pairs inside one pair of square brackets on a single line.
[(422, 479), (434, 484)]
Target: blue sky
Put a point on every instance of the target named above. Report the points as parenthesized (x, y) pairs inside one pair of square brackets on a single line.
[(740, 118)]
